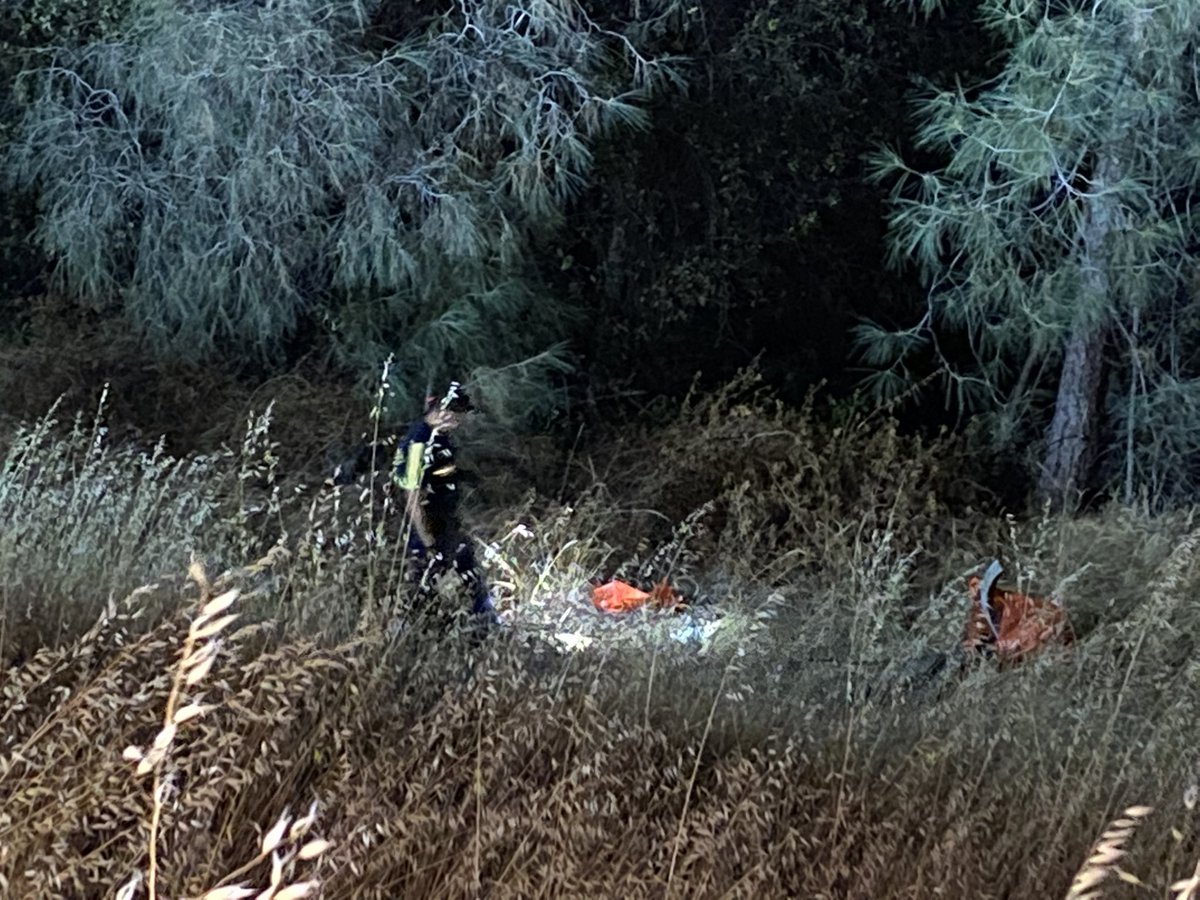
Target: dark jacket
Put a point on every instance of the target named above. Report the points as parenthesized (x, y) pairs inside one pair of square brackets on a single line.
[(427, 462)]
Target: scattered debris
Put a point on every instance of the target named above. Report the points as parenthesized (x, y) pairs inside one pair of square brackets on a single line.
[(1008, 623)]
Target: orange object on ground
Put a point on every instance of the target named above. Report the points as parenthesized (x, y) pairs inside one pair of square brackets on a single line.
[(1013, 624), (617, 596)]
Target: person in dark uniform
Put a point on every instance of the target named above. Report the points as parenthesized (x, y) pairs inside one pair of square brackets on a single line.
[(427, 472)]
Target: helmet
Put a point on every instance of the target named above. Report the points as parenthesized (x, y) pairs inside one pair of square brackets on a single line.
[(456, 399)]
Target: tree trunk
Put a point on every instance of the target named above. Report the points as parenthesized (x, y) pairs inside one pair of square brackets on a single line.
[(1069, 440), (1071, 437)]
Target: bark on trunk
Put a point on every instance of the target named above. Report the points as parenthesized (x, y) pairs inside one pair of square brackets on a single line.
[(1071, 437)]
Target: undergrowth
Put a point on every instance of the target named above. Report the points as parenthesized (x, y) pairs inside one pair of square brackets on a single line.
[(803, 729)]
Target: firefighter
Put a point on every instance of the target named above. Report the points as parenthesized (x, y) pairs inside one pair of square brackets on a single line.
[(427, 472)]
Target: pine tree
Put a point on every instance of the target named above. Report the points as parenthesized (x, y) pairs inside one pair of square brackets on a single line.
[(1057, 237), (227, 173)]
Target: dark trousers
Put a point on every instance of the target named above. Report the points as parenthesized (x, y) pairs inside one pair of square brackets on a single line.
[(451, 549)]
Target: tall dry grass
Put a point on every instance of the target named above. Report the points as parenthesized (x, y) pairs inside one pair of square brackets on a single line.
[(84, 520), (792, 736)]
